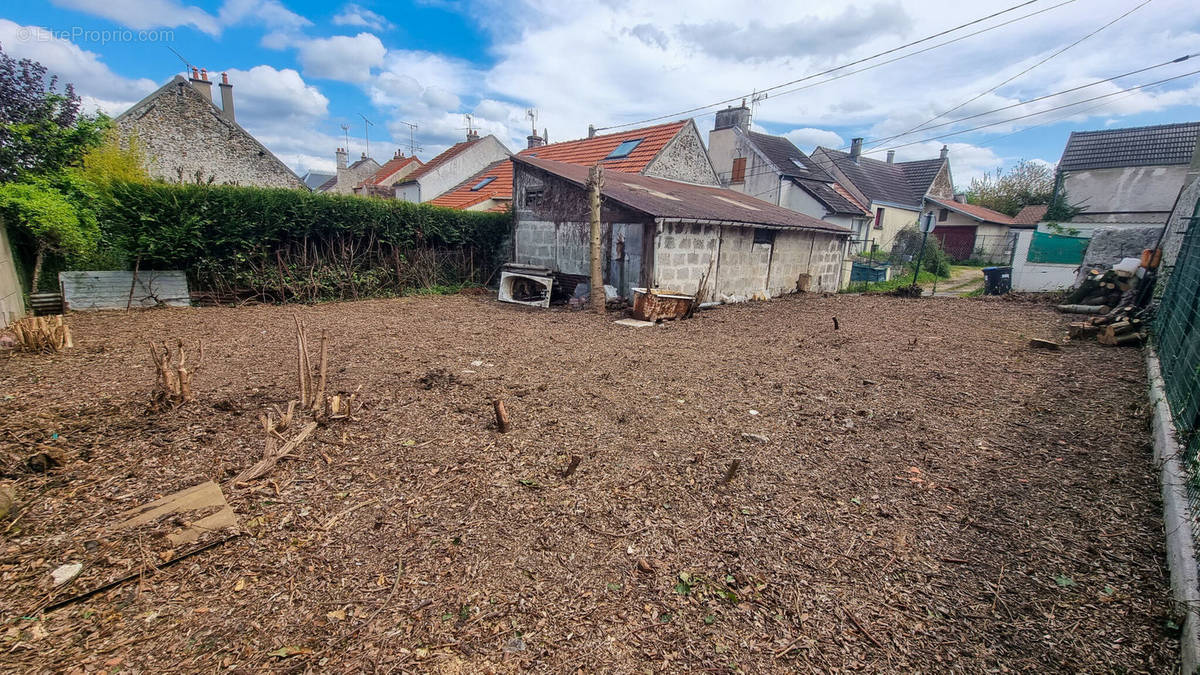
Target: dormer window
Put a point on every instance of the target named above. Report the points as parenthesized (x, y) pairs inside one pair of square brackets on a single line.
[(624, 149)]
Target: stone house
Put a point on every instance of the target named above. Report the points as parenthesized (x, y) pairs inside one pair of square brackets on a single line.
[(184, 137), (670, 234), (673, 150), (379, 184), (1126, 177), (894, 192), (773, 169), (349, 176), (450, 168)]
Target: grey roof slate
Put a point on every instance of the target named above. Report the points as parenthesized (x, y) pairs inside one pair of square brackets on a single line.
[(663, 198), (830, 198), (1159, 145), (315, 180), (900, 183), (781, 152)]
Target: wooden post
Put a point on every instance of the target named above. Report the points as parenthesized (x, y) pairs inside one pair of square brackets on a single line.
[(502, 422), (595, 182)]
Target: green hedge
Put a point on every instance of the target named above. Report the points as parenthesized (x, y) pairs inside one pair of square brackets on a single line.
[(281, 244)]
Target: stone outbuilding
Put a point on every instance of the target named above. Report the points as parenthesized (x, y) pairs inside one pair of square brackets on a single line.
[(671, 234), (185, 138)]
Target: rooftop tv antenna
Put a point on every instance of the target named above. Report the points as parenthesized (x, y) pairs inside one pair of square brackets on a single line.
[(755, 98), (367, 124), (346, 134), (412, 141), (187, 67), (531, 113)]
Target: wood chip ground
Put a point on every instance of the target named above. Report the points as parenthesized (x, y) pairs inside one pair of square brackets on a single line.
[(932, 495)]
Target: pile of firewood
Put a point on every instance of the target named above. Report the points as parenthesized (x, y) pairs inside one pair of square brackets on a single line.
[(1117, 308), (41, 334)]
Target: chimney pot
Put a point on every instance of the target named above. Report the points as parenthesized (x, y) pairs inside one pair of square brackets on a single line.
[(591, 130), (945, 151), (227, 98), (855, 149), (738, 116), (201, 84), (195, 73), (472, 135), (891, 157), (545, 135), (204, 74)]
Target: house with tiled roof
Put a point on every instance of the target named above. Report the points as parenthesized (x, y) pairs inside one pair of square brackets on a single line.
[(895, 193), (969, 231), (348, 176), (379, 184), (451, 167), (1126, 177), (672, 150), (669, 234), (773, 169), (1030, 215)]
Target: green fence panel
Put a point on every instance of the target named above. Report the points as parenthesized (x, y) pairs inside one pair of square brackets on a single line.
[(1056, 249)]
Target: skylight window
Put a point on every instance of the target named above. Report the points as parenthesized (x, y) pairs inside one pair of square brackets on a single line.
[(483, 183), (799, 164), (624, 149)]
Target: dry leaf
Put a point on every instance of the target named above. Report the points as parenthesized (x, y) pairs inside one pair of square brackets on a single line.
[(337, 615), (240, 585)]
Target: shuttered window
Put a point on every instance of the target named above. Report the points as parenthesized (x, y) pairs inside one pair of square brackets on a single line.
[(739, 171)]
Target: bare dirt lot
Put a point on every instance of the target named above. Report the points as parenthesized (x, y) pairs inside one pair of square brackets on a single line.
[(916, 491)]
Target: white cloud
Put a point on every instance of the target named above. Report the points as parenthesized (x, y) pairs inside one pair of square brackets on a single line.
[(357, 15), (98, 87), (808, 138), (341, 57), (145, 14)]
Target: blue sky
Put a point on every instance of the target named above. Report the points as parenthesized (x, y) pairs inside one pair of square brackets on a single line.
[(302, 69)]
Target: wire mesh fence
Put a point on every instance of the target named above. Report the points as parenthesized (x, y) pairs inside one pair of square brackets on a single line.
[(1177, 336)]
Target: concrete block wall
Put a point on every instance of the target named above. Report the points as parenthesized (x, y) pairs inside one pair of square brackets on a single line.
[(743, 266), (536, 243), (12, 301), (682, 254)]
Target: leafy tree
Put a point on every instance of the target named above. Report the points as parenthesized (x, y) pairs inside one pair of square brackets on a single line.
[(1024, 184), (113, 161), (41, 128), (46, 210), (1061, 209)]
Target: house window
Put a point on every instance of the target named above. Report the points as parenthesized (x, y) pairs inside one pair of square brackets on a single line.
[(879, 218), (624, 149), (764, 236), (739, 171), (943, 215), (483, 183), (533, 196)]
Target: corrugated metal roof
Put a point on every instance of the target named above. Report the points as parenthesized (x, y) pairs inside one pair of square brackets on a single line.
[(1159, 145), (662, 198)]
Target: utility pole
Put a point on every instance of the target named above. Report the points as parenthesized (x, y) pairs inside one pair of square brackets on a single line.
[(595, 182)]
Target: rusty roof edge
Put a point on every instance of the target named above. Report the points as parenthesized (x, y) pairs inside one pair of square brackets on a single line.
[(525, 161), (832, 229)]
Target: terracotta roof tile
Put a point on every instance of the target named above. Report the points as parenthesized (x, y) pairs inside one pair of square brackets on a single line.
[(588, 151), (446, 155), (389, 168), (585, 152), (463, 197), (1031, 214), (975, 211)]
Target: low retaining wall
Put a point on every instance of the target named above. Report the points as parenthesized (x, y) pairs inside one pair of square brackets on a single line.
[(1177, 519)]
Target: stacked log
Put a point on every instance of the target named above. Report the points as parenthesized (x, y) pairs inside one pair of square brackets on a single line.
[(1113, 320)]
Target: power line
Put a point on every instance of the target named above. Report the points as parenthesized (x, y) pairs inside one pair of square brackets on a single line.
[(1023, 72), (846, 65), (1041, 112), (1181, 59)]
